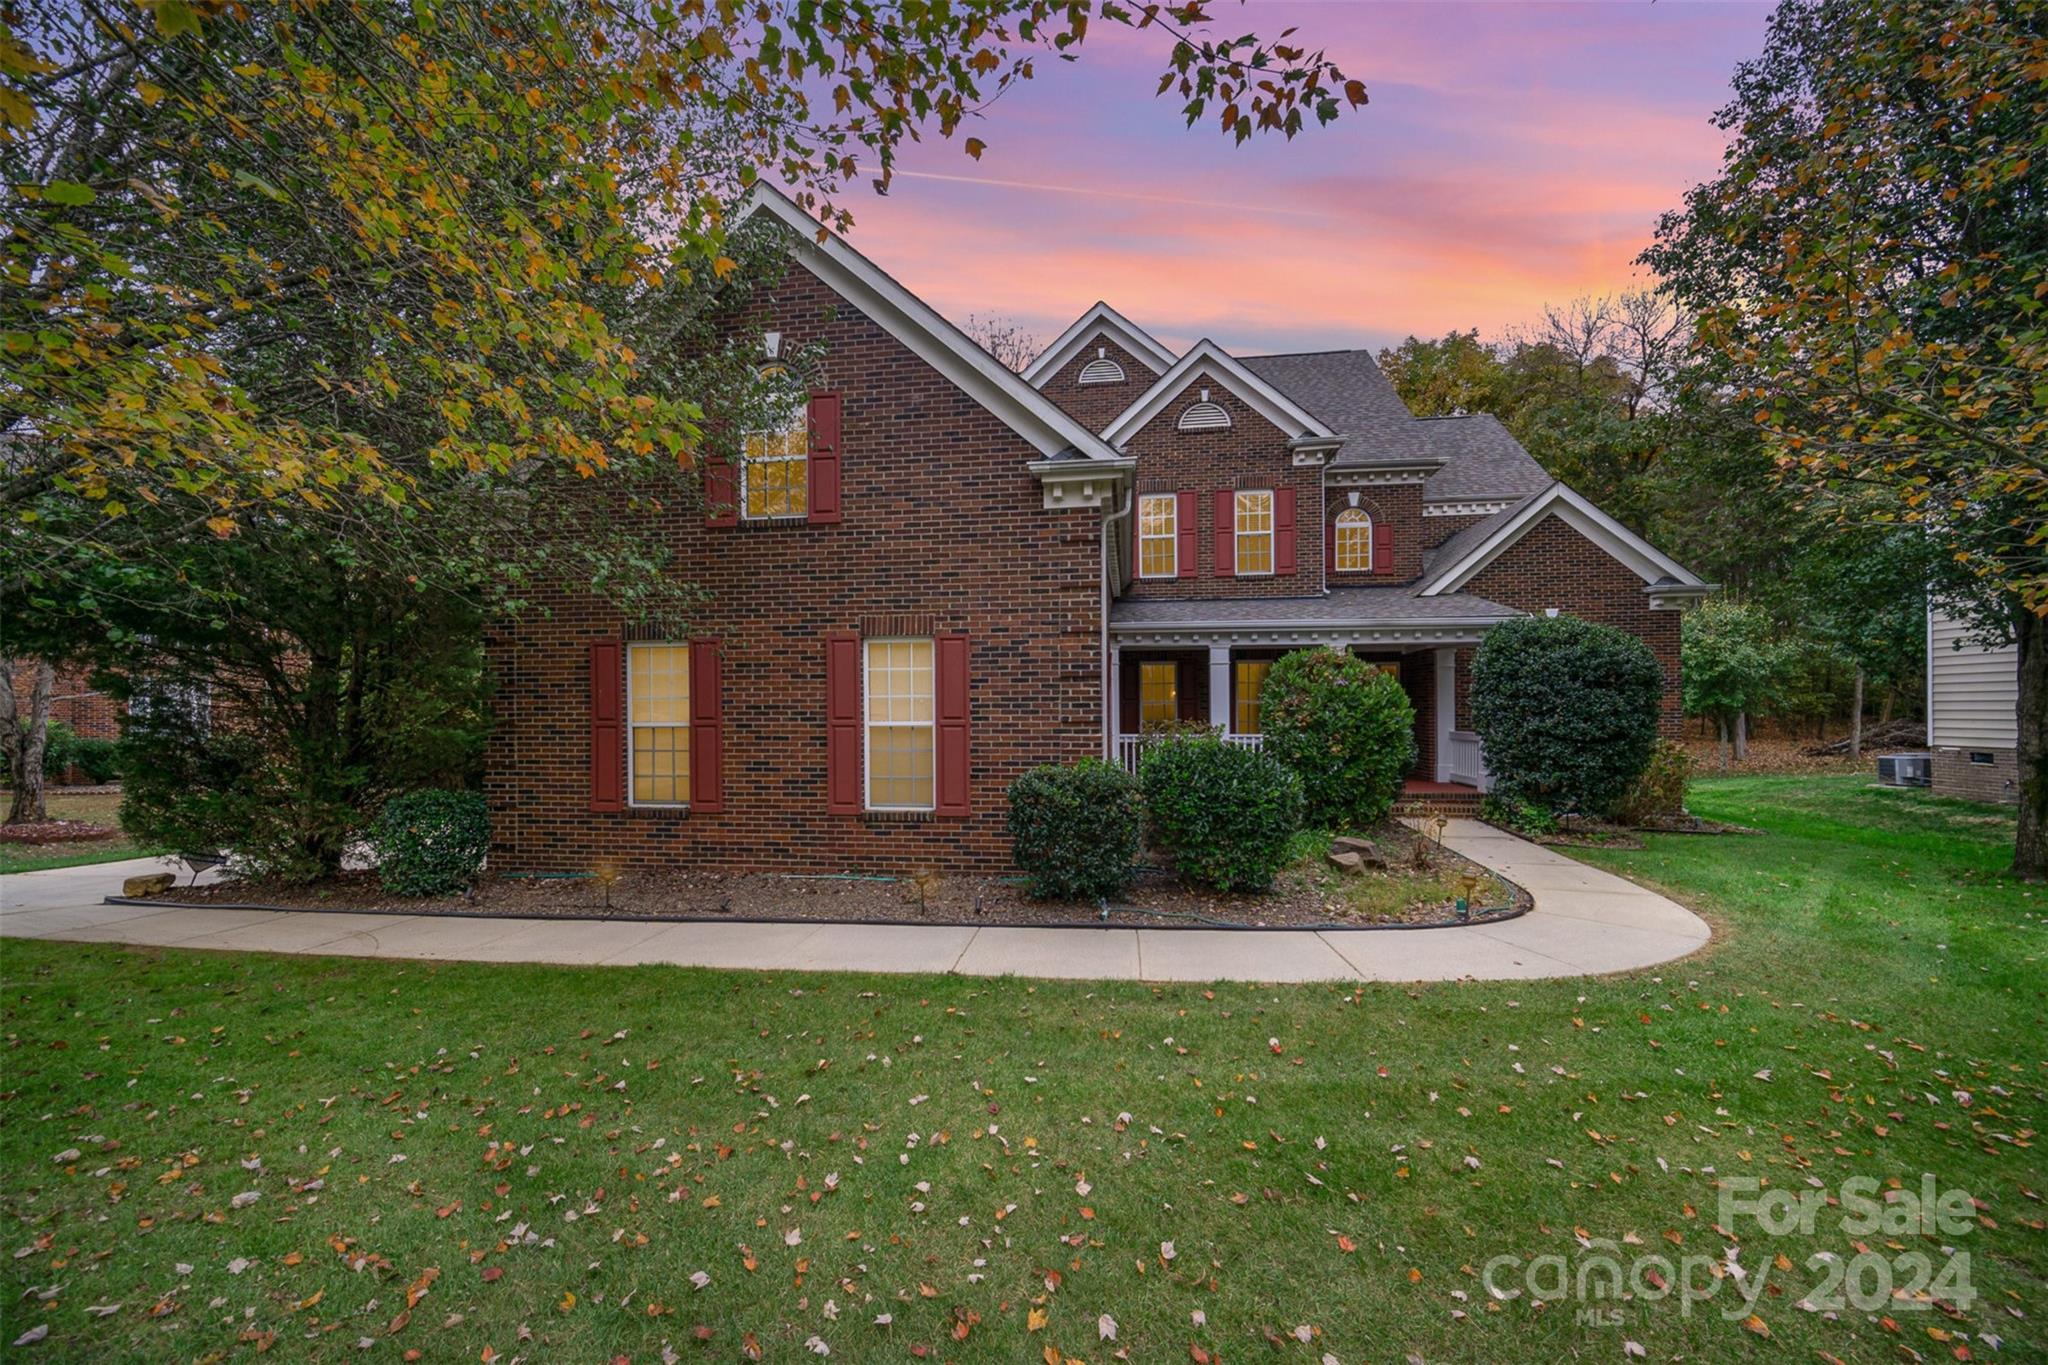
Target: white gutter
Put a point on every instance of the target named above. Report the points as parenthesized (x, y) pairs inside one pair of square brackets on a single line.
[(1109, 521)]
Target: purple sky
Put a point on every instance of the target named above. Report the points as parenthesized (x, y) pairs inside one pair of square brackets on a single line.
[(1513, 154)]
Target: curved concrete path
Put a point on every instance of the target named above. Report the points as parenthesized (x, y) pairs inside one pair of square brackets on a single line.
[(1585, 922)]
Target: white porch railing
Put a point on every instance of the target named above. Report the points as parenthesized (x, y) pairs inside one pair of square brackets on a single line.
[(1129, 747), (1466, 764)]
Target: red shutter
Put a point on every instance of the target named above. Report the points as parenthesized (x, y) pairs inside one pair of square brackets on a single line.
[(1187, 518), (823, 463), (1382, 546), (949, 683), (721, 496), (607, 726), (1329, 546), (1226, 533), (1283, 531), (707, 729), (842, 723)]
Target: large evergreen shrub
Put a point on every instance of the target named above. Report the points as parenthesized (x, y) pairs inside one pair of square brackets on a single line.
[(1074, 830), (1567, 711), (1346, 729), (431, 843), (1224, 812)]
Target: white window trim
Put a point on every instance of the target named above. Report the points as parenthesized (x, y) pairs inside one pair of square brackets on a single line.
[(632, 749), (1238, 534), (1172, 537), (1336, 530), (867, 723)]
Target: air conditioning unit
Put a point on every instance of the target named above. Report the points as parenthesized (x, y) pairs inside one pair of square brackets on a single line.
[(1904, 770)]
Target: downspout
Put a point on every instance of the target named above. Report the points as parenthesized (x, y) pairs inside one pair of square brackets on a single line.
[(1109, 522)]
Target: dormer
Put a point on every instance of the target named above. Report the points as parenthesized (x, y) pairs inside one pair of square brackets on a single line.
[(1095, 367)]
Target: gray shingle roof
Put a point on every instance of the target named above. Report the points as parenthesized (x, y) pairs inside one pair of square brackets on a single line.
[(1481, 459), (1340, 606), (1459, 545), (1348, 391)]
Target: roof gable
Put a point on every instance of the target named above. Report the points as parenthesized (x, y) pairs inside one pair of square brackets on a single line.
[(1460, 558), (1208, 360), (1101, 320), (929, 336)]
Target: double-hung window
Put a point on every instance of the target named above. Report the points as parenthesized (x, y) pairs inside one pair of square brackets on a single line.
[(1158, 535), (775, 470), (1254, 531), (901, 735), (1354, 541), (658, 713)]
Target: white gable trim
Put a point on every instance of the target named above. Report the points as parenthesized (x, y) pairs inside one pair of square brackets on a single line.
[(934, 340), (1097, 321), (1208, 360), (1641, 558)]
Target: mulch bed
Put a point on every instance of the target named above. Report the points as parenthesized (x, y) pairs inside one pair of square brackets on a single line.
[(55, 832), (1308, 893)]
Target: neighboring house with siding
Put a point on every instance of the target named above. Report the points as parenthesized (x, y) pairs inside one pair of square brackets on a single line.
[(1973, 698), (938, 574)]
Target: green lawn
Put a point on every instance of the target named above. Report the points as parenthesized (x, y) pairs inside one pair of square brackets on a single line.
[(101, 808), (545, 1157)]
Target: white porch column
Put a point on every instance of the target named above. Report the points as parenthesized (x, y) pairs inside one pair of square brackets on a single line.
[(1113, 720), (1219, 687), (1446, 709)]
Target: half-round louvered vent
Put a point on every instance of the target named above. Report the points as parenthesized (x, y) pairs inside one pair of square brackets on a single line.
[(1102, 371), (1204, 416)]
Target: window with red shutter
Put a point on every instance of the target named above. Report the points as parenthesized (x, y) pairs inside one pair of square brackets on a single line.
[(607, 730), (1226, 532), (1382, 546), (824, 459), (842, 723), (707, 728), (950, 685)]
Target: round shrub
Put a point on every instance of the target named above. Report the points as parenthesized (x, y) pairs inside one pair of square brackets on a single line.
[(1567, 711), (1346, 729), (430, 843), (1074, 830), (1224, 812)]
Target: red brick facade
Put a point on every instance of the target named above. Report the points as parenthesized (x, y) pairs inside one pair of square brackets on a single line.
[(937, 499), (1553, 565), (1396, 510), (1095, 406)]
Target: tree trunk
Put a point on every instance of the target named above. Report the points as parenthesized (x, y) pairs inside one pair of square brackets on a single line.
[(1856, 720), (2030, 844), (1741, 736), (1721, 741), (23, 738)]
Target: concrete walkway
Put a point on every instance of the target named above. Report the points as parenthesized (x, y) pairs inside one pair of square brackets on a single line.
[(1585, 922)]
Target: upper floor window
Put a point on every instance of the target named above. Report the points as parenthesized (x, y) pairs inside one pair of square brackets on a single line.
[(1158, 694), (1158, 535), (1204, 416), (658, 713), (901, 733), (1354, 541), (775, 473), (1254, 531), (1102, 370)]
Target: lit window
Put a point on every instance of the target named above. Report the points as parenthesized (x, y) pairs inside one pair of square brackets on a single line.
[(1251, 678), (1354, 541), (775, 475), (900, 732), (1158, 694), (1158, 535), (658, 708), (1255, 532)]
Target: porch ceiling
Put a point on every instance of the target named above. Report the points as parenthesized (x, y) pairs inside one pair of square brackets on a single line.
[(1341, 616)]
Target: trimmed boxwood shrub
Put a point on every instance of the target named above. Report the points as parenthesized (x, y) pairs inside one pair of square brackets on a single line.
[(430, 843), (1567, 711), (1347, 730), (1074, 830), (1224, 812)]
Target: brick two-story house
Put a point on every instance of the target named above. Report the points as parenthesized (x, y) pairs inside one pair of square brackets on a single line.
[(943, 573)]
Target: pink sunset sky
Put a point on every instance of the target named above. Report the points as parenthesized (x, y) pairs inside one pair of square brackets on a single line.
[(1512, 155)]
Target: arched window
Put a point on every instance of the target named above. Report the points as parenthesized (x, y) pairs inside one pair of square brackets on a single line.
[(1102, 370), (775, 475), (1354, 541), (1204, 416)]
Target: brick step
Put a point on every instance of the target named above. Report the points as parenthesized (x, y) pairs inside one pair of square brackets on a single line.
[(1465, 804)]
